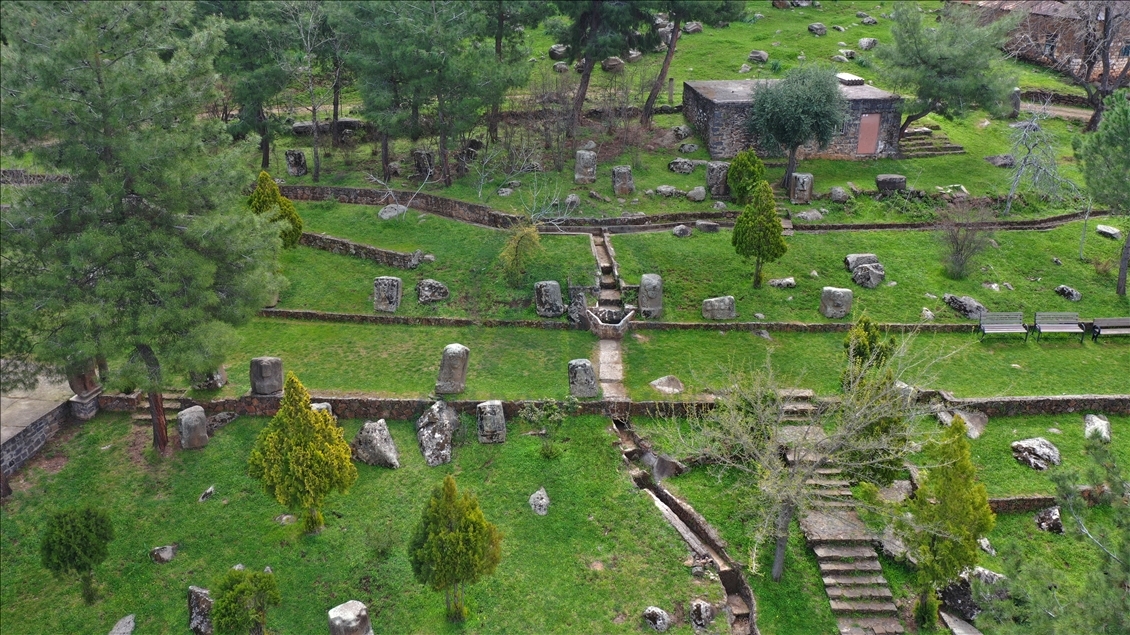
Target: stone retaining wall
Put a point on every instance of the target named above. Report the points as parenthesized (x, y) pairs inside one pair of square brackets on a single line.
[(1020, 504), (27, 442), (23, 177), (368, 252), (1042, 405), (988, 225), (408, 320), (1059, 99), (438, 205), (119, 402)]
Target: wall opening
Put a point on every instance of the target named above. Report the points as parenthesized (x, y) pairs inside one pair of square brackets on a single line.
[(868, 134)]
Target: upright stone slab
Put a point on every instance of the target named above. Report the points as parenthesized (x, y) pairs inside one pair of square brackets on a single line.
[(582, 379), (199, 611), (374, 445), (547, 299), (835, 303), (433, 433), (584, 171), (453, 370), (492, 422), (295, 163), (622, 182), (192, 428), (716, 184), (890, 182), (722, 308), (266, 376), (800, 190), (387, 291), (651, 295), (351, 618)]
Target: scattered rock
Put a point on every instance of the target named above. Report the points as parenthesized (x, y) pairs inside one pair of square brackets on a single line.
[(688, 148), (286, 519), (719, 205), (199, 611), (1069, 293), (1002, 160), (835, 303), (373, 445), (389, 212), (760, 316), (1107, 231), (759, 57), (1096, 425), (598, 196), (682, 132), (840, 59), (1049, 520), (668, 385), (681, 231), (763, 334), (965, 305), (817, 29), (666, 191), (124, 626), (1051, 430), (1037, 453), (560, 67), (958, 597), (839, 195), (987, 547), (558, 52), (813, 274), (808, 215), (927, 315), (634, 55), (491, 422), (890, 182), (1029, 125), (209, 381), (657, 619), (582, 379), (433, 433), (219, 420), (702, 613), (836, 27), (692, 27), (539, 502), (697, 194), (851, 261), (679, 165), (612, 64), (504, 191), (722, 308), (428, 291), (207, 494), (161, 555), (975, 421), (783, 283), (869, 21), (868, 43), (572, 202), (868, 276), (351, 618), (387, 291), (992, 286), (706, 226)]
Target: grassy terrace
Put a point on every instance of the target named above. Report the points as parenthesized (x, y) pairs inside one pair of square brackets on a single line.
[(601, 555), (912, 259)]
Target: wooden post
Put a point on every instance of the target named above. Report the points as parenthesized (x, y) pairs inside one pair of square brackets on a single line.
[(671, 91)]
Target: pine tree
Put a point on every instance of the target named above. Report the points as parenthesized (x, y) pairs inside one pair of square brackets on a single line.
[(952, 509), (302, 455), (1106, 169), (757, 232), (75, 541), (242, 600), (746, 171), (266, 198), (454, 545)]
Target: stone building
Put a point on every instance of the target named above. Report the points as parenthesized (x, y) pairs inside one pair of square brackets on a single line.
[(719, 110)]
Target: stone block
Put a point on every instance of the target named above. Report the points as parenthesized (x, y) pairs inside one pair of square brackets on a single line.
[(351, 618), (835, 303), (584, 170), (192, 427), (723, 308), (800, 190), (622, 182), (266, 376), (890, 182), (582, 379), (453, 370), (387, 291), (492, 422), (716, 175), (547, 299), (651, 295)]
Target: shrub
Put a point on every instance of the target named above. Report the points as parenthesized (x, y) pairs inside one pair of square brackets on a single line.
[(520, 250), (75, 541), (746, 171), (775, 66), (267, 198), (558, 27), (962, 240), (242, 600)]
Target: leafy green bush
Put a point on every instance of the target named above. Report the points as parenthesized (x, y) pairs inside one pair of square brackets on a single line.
[(557, 27), (75, 541), (266, 198), (746, 171), (242, 600)]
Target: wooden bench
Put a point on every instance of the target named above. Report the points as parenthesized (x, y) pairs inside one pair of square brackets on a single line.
[(1110, 326), (1049, 322), (994, 323)]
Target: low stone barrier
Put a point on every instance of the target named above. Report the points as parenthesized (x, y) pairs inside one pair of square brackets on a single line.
[(388, 257), (1059, 99), (1020, 504), (119, 402), (438, 205), (410, 320), (1042, 405), (23, 177), (23, 445), (920, 226)]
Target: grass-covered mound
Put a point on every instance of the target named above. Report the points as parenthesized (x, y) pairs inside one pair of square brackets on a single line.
[(591, 566)]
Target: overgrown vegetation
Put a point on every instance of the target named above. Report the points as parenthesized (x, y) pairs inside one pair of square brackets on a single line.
[(75, 541)]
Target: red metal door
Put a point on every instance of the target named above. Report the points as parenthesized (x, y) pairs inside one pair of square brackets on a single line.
[(868, 134)]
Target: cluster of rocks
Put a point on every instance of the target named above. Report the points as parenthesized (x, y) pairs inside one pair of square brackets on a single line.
[(701, 614), (866, 270), (388, 291)]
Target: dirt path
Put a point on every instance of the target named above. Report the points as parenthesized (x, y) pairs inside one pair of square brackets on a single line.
[(1066, 112)]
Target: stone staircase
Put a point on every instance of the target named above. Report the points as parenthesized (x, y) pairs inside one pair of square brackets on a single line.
[(920, 143), (610, 303), (173, 404)]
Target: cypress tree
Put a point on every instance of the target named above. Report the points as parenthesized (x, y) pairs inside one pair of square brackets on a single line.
[(75, 541), (746, 171), (757, 232)]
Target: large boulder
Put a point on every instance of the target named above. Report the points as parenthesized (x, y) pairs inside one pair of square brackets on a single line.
[(868, 43), (558, 52), (453, 370), (759, 56), (387, 291), (965, 305), (373, 445), (692, 27), (1096, 425), (351, 618), (199, 611), (682, 132), (869, 276), (1068, 293), (816, 28), (539, 502), (697, 194), (428, 291), (1037, 453), (975, 421), (584, 170), (723, 308), (681, 231), (839, 195), (572, 202), (582, 379), (612, 64), (702, 613), (668, 385), (651, 295), (163, 555), (1001, 160), (890, 182), (266, 376), (192, 428), (851, 261), (717, 175), (295, 162), (1107, 231), (547, 299), (657, 619), (707, 226), (680, 165), (123, 626), (958, 598), (1049, 520), (835, 303), (433, 433), (391, 211), (622, 182), (491, 422)]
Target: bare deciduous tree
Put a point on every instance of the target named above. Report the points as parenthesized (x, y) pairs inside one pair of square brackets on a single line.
[(1034, 149), (307, 22), (961, 230)]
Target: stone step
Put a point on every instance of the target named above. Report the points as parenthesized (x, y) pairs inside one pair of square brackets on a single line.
[(827, 483), (608, 296), (796, 394), (859, 592), (828, 492), (861, 625), (873, 608), (841, 580), (834, 504), (931, 153), (737, 605), (840, 552), (798, 407), (860, 566), (606, 268), (608, 282), (802, 456)]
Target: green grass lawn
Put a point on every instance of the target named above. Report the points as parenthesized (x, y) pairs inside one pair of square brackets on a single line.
[(403, 361), (549, 579), (466, 261), (705, 360), (704, 266)]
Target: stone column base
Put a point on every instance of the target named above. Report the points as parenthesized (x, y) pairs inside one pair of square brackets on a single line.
[(84, 407)]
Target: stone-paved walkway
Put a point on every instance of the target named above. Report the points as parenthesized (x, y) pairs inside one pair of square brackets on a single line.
[(610, 369)]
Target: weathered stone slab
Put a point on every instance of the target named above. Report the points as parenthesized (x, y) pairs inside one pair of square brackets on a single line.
[(199, 611), (723, 308), (668, 385), (965, 305), (539, 502), (584, 170), (387, 291), (835, 303), (1107, 231), (192, 428), (800, 190), (492, 422), (374, 445), (433, 433), (295, 163), (717, 173), (547, 299), (266, 376), (651, 295), (582, 379), (622, 182), (869, 276), (453, 370), (429, 291), (890, 182)]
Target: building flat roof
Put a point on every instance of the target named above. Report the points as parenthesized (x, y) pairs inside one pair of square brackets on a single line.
[(741, 90)]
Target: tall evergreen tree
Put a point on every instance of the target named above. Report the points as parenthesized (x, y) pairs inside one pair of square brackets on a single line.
[(757, 232), (506, 23), (301, 456), (1107, 168), (454, 545), (76, 541), (144, 253), (679, 12)]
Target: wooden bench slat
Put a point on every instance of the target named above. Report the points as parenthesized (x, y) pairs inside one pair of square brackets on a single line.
[(1003, 322), (1058, 322), (1110, 326)]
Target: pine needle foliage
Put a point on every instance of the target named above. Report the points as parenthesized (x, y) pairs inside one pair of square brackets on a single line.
[(301, 456), (953, 509), (267, 198), (454, 545), (866, 348), (746, 171), (757, 232), (242, 600), (75, 541), (523, 246)]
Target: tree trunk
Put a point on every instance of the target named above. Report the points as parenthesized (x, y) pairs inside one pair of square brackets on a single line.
[(579, 98), (264, 139), (1122, 265), (156, 400), (317, 159), (1096, 117), (784, 517), (649, 105), (496, 107), (911, 119), (386, 172), (335, 134), (445, 167), (757, 274), (789, 169)]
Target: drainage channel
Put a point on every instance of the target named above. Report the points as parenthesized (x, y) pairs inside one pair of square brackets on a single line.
[(703, 540)]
